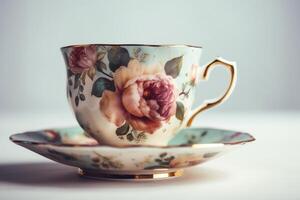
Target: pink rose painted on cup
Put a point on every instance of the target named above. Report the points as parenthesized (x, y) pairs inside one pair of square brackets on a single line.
[(145, 97), (82, 58)]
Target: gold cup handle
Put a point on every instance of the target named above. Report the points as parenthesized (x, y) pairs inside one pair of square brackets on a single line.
[(230, 66)]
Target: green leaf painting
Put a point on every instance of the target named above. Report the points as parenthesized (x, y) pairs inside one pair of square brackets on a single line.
[(102, 84), (122, 130), (179, 110), (117, 57), (173, 66)]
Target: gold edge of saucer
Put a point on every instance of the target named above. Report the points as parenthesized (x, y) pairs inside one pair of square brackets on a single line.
[(153, 175)]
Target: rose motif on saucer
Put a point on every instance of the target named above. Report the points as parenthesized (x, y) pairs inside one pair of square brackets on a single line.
[(190, 147)]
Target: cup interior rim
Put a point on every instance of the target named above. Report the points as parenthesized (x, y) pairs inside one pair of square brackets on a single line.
[(138, 45)]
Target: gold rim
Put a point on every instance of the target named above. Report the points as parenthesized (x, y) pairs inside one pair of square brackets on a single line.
[(142, 45), (136, 146), (251, 139), (143, 176)]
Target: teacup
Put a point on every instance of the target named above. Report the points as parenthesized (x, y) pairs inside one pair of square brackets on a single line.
[(134, 94)]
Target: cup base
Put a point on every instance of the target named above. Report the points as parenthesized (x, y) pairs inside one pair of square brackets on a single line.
[(148, 175)]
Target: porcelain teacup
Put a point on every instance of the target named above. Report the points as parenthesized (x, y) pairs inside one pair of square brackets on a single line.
[(134, 94)]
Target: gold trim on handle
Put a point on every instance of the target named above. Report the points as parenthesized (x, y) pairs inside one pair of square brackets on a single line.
[(230, 66)]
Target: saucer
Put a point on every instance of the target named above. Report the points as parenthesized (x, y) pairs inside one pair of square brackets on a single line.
[(190, 147)]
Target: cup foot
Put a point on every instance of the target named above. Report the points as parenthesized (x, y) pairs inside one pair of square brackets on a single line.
[(131, 176)]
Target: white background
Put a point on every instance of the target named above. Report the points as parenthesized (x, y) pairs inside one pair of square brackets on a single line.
[(261, 36)]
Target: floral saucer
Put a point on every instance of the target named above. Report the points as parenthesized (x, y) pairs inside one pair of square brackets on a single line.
[(190, 147)]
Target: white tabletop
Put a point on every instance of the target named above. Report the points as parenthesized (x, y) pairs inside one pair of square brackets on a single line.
[(268, 168)]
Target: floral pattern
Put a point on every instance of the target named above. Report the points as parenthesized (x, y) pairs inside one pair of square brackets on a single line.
[(104, 162), (66, 146), (186, 160), (144, 97), (137, 96), (82, 58)]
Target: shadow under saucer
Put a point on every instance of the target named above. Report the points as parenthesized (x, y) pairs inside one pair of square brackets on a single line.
[(50, 174)]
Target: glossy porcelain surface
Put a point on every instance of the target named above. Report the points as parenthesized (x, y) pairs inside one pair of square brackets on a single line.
[(189, 147), (131, 94)]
